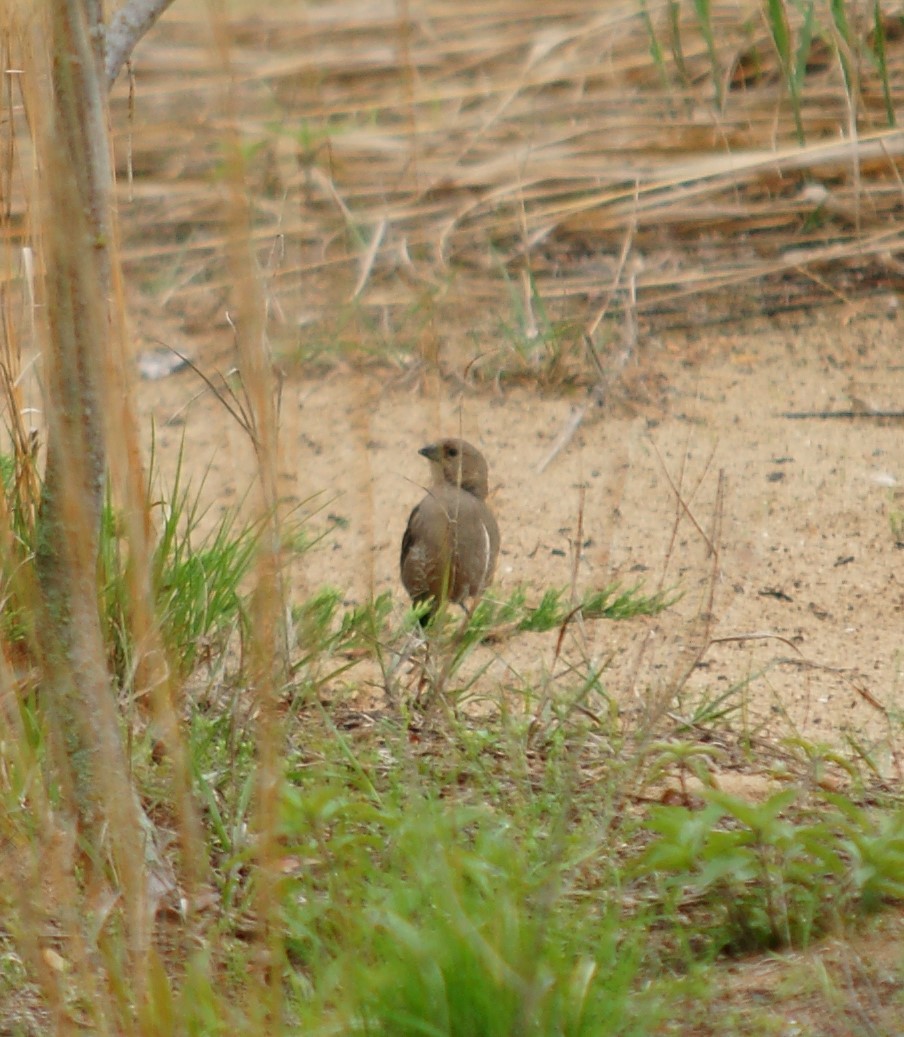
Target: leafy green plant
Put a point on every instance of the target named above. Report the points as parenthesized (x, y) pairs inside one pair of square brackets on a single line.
[(711, 707), (197, 576), (495, 620), (753, 873), (21, 492), (874, 846), (656, 52), (879, 52), (766, 877)]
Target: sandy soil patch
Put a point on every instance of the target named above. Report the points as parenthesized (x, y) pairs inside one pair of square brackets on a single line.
[(805, 617)]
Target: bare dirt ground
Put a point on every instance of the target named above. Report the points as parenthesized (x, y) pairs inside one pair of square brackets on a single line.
[(800, 610)]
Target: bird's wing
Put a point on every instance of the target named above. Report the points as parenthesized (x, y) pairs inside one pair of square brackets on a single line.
[(425, 549), (408, 535), (478, 539)]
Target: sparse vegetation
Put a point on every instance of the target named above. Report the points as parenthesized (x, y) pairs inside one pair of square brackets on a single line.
[(341, 826)]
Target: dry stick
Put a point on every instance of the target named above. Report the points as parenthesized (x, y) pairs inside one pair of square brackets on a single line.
[(848, 415), (764, 635), (267, 666), (564, 438), (892, 165), (235, 410), (630, 232), (369, 258), (597, 394), (842, 671), (239, 410), (576, 611), (677, 519), (851, 102), (597, 363), (703, 621), (682, 504), (578, 541), (126, 27), (697, 640), (531, 327)]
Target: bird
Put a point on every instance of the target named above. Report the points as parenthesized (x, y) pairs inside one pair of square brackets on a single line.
[(451, 542)]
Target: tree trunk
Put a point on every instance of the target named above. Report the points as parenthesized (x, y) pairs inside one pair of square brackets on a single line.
[(77, 223)]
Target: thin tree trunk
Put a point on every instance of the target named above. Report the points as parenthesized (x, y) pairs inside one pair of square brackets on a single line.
[(77, 241)]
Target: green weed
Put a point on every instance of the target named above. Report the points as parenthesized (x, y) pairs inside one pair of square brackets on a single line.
[(768, 875)]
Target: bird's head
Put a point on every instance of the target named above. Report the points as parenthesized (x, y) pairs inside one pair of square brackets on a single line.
[(456, 462)]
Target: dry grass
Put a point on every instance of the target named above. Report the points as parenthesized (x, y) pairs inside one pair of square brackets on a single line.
[(392, 146), (599, 153)]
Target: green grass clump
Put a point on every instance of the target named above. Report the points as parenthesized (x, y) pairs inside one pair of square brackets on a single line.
[(198, 582), (416, 914), (323, 627), (198, 575), (556, 607), (469, 938)]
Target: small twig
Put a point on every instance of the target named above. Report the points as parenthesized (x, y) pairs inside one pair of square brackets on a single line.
[(234, 408), (597, 363), (823, 415), (578, 542), (565, 437), (684, 505), (765, 635), (844, 672), (369, 259), (628, 241), (597, 395)]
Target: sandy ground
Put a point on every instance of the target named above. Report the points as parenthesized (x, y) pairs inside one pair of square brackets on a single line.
[(799, 614)]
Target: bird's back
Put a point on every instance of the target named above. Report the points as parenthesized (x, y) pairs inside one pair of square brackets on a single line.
[(450, 546)]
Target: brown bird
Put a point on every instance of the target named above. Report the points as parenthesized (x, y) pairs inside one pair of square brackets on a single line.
[(451, 543)]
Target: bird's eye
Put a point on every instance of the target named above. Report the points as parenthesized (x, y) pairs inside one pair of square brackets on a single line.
[(452, 451)]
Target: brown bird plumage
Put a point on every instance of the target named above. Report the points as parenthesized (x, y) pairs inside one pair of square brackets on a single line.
[(451, 543)]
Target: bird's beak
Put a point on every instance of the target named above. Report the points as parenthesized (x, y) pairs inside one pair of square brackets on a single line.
[(431, 452)]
